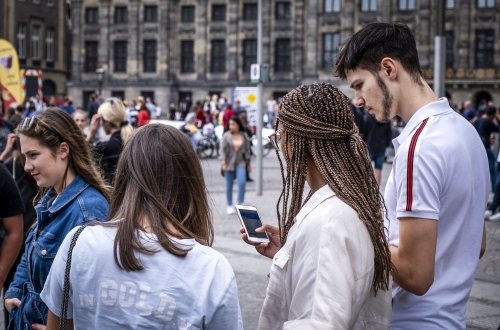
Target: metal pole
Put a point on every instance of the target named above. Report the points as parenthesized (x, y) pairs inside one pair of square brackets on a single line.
[(259, 102), (440, 50)]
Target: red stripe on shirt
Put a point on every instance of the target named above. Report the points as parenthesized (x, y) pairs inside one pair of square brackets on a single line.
[(411, 154)]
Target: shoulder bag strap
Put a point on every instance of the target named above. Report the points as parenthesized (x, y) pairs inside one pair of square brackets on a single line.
[(64, 307)]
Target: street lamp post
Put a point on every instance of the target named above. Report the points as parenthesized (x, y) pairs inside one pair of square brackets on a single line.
[(100, 78)]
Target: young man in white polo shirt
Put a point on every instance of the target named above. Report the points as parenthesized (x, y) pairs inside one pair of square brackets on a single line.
[(438, 187)]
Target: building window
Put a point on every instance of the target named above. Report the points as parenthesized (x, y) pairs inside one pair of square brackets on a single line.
[(331, 42), (118, 94), (21, 40), (331, 6), (187, 56), (91, 15), (406, 4), (50, 3), (120, 56), (35, 42), (187, 14), (250, 12), (283, 11), (151, 14), (149, 56), (249, 54), (485, 4), (218, 13), (368, 5), (282, 53), (218, 56), (450, 4), (49, 45), (485, 43), (121, 15), (90, 64), (450, 53)]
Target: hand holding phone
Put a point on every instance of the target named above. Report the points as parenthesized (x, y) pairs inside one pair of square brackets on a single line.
[(250, 220)]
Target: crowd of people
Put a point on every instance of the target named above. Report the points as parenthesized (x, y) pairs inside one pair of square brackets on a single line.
[(123, 230)]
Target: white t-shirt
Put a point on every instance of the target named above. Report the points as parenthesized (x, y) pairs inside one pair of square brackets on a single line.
[(322, 277), (197, 291), (440, 172)]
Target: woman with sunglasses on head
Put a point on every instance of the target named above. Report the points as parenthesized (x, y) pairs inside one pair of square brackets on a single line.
[(72, 192), (330, 254), (111, 115), (151, 265)]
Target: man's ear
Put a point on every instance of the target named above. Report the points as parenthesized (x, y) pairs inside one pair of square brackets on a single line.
[(389, 68), (64, 150)]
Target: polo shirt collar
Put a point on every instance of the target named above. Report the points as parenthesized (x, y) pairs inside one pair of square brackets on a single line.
[(435, 108), (322, 194)]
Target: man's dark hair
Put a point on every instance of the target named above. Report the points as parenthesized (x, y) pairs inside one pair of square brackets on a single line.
[(367, 47)]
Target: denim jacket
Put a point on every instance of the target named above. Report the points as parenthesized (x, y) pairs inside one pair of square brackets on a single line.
[(77, 204)]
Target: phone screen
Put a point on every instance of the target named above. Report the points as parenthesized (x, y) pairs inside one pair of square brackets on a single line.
[(252, 221)]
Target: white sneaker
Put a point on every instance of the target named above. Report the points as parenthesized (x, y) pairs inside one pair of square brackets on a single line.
[(230, 210), (487, 214), (495, 217)]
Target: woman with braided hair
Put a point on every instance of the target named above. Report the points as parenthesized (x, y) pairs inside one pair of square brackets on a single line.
[(331, 262)]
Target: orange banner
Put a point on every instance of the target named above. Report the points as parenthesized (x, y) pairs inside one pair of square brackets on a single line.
[(10, 83)]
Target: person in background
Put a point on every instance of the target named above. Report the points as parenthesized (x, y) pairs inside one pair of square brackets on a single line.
[(111, 115), (144, 116), (68, 106), (331, 261), (153, 245), (18, 116), (486, 126), (271, 111), (234, 155), (378, 136), (82, 121), (227, 114), (72, 192), (93, 105)]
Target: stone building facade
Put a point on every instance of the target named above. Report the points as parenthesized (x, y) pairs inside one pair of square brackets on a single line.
[(169, 49), (38, 30)]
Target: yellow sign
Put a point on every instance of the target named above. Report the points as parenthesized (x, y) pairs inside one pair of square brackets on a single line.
[(10, 84)]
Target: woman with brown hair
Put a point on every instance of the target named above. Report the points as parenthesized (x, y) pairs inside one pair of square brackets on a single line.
[(330, 254), (151, 265), (72, 192)]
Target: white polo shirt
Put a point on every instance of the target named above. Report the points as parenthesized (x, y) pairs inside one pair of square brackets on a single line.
[(440, 172)]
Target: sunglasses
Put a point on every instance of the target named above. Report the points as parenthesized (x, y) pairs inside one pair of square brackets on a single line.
[(27, 122), (275, 140)]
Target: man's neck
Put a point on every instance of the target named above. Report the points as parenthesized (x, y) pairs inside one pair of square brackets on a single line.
[(414, 98)]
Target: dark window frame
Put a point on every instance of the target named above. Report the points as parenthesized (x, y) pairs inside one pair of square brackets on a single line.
[(368, 6), (450, 50), (219, 12), (120, 15), (150, 13), (91, 15), (407, 5), (218, 56), (188, 13), (249, 54), (149, 56), (187, 56), (283, 11), (282, 55), (91, 56), (331, 6), (120, 50), (485, 4), (484, 55), (329, 54), (250, 11)]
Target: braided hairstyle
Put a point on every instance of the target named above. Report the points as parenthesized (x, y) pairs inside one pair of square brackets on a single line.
[(316, 122)]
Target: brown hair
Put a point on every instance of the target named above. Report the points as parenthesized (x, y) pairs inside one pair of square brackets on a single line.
[(164, 184), (317, 122), (53, 127)]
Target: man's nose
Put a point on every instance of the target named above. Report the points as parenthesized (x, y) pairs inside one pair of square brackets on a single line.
[(359, 102)]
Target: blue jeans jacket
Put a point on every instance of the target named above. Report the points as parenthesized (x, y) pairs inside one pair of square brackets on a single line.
[(77, 204)]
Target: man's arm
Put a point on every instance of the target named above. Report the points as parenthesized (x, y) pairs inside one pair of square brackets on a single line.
[(414, 259), (11, 244)]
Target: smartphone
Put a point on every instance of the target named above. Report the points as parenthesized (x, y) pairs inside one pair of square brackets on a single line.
[(250, 220)]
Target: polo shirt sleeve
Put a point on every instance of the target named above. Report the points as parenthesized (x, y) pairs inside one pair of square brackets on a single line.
[(420, 171)]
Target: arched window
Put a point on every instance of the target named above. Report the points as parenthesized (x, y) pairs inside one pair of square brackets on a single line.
[(49, 87)]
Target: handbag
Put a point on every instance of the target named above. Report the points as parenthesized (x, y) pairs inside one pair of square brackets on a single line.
[(64, 307)]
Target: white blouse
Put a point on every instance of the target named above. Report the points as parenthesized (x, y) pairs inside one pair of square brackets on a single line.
[(322, 277)]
